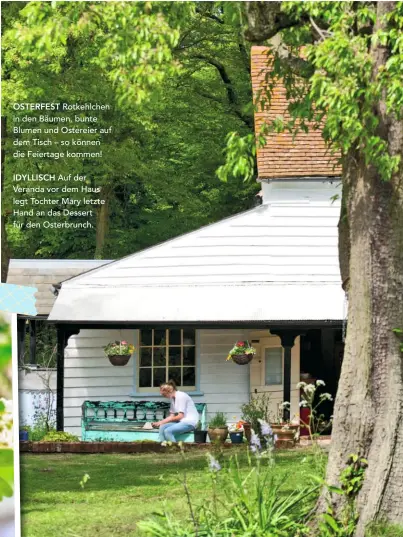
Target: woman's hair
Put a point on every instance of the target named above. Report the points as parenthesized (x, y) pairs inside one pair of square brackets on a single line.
[(170, 386)]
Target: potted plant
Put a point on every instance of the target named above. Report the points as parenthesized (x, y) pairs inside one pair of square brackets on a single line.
[(119, 352), (24, 433), (236, 432), (241, 353), (285, 430), (200, 436), (257, 409), (218, 428)]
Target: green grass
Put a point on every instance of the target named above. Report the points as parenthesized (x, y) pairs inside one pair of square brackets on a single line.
[(122, 489), (384, 530)]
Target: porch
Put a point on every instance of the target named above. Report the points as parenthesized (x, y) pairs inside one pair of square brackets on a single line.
[(195, 356)]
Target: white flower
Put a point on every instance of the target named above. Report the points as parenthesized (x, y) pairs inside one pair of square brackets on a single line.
[(265, 428), (286, 404), (320, 383), (303, 403), (326, 397), (301, 385), (214, 465), (255, 444), (309, 389)]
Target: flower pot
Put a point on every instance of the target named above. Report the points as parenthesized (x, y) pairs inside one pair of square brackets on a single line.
[(247, 430), (200, 437), (285, 432), (236, 437), (119, 359), (23, 436), (218, 434), (242, 359)]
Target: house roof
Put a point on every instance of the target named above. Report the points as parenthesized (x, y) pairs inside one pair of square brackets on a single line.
[(278, 261), (43, 273), (284, 157)]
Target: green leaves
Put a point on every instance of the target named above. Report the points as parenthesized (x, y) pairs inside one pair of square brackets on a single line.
[(240, 157), (6, 473), (399, 334), (342, 96)]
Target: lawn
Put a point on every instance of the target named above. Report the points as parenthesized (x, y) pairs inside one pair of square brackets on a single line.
[(123, 489)]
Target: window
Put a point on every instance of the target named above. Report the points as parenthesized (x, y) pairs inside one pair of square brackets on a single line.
[(166, 354), (273, 366)]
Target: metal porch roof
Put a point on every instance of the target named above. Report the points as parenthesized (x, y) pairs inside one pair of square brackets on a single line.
[(277, 261)]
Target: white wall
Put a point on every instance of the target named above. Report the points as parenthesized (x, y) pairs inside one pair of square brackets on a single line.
[(90, 376), (33, 394), (257, 372), (224, 383)]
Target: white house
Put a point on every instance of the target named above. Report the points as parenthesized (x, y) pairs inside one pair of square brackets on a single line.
[(269, 275)]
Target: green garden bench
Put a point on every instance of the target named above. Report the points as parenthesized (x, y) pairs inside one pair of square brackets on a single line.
[(123, 421)]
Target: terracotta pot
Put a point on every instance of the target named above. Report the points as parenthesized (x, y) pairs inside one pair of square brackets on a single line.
[(242, 359), (247, 430), (285, 431), (218, 434), (119, 359)]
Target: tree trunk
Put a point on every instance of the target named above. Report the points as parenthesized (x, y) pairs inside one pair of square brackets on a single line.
[(368, 417), (5, 253), (102, 225)]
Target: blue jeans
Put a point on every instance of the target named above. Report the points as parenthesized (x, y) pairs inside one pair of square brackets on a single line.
[(168, 431)]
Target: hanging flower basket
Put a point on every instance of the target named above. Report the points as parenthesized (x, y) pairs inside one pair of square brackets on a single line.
[(119, 359), (119, 352), (242, 359), (241, 353)]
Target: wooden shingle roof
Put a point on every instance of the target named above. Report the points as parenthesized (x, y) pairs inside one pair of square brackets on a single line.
[(283, 157)]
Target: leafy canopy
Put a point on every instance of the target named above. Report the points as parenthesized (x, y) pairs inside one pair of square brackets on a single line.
[(345, 82)]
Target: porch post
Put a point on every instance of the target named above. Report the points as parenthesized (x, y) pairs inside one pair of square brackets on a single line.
[(32, 341), (287, 338), (63, 334), (20, 339)]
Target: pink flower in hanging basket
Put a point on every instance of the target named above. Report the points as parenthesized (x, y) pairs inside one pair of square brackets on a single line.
[(240, 344)]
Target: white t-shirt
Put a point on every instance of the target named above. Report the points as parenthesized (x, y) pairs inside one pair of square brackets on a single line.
[(182, 402)]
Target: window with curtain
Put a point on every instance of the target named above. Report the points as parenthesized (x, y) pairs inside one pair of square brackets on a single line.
[(273, 366), (166, 354)]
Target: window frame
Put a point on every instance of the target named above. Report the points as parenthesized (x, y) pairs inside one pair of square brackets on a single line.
[(270, 347), (154, 391)]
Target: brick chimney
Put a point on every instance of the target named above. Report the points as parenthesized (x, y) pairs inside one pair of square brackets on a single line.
[(282, 157)]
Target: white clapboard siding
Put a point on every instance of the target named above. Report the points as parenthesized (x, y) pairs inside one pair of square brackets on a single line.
[(257, 381), (89, 376)]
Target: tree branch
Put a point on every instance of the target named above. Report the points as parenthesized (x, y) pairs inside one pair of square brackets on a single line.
[(322, 33), (265, 20), (231, 93)]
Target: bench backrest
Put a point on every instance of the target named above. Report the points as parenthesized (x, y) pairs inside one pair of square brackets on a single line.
[(131, 411)]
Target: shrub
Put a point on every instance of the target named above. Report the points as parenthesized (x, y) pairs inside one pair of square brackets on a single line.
[(255, 505), (60, 436), (218, 421), (257, 409)]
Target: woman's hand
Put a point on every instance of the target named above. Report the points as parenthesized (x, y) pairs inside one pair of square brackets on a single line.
[(156, 424)]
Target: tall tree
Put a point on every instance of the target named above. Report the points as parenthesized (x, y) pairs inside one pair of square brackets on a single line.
[(158, 172), (350, 84)]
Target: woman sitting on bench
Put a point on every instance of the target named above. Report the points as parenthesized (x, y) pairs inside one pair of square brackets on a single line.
[(183, 415)]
